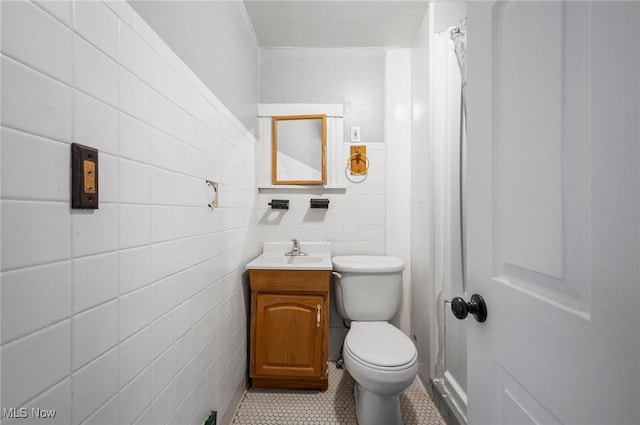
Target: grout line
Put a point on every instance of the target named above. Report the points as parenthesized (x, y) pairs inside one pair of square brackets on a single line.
[(72, 241)]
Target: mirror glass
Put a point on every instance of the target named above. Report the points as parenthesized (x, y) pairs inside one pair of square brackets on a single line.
[(298, 152)]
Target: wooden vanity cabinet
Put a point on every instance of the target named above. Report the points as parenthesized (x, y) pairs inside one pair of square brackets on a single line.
[(289, 345)]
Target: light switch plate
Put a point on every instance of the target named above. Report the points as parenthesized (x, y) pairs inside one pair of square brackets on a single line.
[(355, 134)]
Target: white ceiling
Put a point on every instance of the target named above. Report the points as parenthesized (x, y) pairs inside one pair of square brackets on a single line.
[(332, 23)]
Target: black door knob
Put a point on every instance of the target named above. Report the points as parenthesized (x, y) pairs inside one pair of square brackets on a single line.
[(476, 306)]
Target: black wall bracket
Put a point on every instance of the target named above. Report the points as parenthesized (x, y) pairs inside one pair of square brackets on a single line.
[(319, 203), (279, 204)]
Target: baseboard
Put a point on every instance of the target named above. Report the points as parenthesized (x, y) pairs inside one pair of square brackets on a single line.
[(445, 406), (227, 419)]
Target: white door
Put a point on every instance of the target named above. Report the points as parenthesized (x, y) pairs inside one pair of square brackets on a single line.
[(553, 212)]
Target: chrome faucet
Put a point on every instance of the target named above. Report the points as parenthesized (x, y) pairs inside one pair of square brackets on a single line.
[(295, 250)]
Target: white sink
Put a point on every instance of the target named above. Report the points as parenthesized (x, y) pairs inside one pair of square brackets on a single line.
[(273, 257)]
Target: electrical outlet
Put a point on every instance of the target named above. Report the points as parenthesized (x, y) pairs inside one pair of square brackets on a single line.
[(355, 134), (84, 177)]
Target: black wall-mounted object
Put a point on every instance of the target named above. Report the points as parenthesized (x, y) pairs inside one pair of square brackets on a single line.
[(84, 177), (319, 203), (279, 204)]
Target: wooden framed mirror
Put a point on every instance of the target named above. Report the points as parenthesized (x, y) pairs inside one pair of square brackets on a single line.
[(299, 149)]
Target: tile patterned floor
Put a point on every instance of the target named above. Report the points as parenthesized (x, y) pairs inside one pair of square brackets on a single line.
[(332, 407)]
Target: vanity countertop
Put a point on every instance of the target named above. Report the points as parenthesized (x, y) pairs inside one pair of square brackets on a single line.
[(273, 257)]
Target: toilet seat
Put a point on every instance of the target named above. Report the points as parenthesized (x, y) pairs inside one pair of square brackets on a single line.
[(380, 346)]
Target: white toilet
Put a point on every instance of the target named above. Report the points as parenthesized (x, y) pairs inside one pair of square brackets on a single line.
[(381, 359)]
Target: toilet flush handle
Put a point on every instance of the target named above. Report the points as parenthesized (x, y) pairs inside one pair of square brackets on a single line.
[(336, 274)]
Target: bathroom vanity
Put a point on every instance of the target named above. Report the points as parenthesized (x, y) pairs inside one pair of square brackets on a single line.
[(289, 340)]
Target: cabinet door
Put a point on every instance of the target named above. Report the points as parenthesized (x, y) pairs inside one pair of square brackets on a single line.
[(289, 334)]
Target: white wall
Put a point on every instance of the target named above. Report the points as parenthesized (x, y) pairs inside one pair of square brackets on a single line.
[(352, 77), (398, 119), (422, 267), (215, 40), (135, 312)]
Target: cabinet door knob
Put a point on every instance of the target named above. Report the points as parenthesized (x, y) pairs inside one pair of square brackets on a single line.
[(318, 307)]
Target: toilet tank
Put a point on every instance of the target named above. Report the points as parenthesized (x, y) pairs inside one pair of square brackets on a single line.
[(367, 287)]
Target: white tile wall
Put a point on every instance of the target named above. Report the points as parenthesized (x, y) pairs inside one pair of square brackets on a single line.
[(27, 93), (94, 280), (86, 396), (18, 164), (106, 415), (163, 406), (26, 371), (163, 333), (161, 186), (34, 233), (93, 332), (134, 355), (135, 95), (145, 419), (46, 48), (163, 144), (134, 182), (184, 381), (33, 298), (161, 223), (98, 25), (134, 225), (61, 10), (118, 315), (94, 72), (122, 9), (135, 397), (134, 269), (95, 123), (58, 395), (162, 372), (185, 409), (133, 55), (161, 260), (94, 231), (355, 220), (134, 309), (108, 178), (135, 138)]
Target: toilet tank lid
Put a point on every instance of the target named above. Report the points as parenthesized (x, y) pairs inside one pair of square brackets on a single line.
[(367, 264)]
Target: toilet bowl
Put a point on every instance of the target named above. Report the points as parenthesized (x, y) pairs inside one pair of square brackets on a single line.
[(383, 361), (379, 357)]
